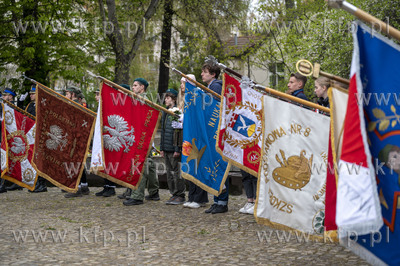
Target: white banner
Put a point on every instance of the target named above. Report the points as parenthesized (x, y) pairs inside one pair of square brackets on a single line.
[(292, 183), (96, 162)]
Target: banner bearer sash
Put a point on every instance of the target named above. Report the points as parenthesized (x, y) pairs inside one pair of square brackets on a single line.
[(201, 164), (368, 203), (127, 129), (20, 134), (4, 149), (63, 135), (291, 186), (240, 124)]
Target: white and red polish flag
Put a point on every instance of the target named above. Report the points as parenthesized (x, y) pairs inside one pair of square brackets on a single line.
[(357, 209), (20, 135)]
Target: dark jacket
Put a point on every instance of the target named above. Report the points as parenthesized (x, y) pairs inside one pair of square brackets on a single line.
[(216, 85), (31, 108), (324, 102), (300, 94), (167, 134)]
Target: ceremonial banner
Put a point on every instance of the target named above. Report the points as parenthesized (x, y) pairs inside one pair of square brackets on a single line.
[(291, 186), (338, 103), (240, 124), (20, 133), (4, 155), (372, 138), (96, 162), (201, 164), (63, 135), (123, 137)]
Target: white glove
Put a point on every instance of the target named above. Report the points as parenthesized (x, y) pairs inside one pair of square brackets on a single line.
[(181, 118), (23, 97), (176, 125)]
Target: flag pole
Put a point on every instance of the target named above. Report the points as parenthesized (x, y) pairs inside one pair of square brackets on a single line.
[(305, 68), (279, 94), (134, 95), (364, 16), (60, 96), (13, 106), (195, 82)]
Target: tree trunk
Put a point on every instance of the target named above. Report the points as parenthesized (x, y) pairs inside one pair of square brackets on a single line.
[(165, 54), (123, 57)]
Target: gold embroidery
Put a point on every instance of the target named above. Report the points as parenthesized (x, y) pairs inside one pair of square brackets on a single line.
[(19, 146), (28, 175), (294, 172)]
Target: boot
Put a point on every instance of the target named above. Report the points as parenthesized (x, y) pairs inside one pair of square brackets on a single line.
[(126, 194), (40, 185), (109, 192), (2, 186), (14, 187)]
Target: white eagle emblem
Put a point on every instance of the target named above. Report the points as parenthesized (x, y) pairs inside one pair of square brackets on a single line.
[(119, 134), (56, 138), (18, 146)]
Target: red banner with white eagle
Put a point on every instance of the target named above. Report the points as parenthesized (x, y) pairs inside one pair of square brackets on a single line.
[(240, 129), (20, 135), (127, 129), (64, 130), (4, 155)]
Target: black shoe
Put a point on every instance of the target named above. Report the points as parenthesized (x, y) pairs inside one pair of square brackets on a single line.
[(40, 186), (14, 187), (130, 202), (100, 193), (126, 194), (85, 190), (2, 186), (74, 195), (155, 197), (220, 209), (109, 192), (211, 208), (177, 201)]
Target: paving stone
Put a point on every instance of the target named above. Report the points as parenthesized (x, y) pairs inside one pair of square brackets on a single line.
[(48, 229)]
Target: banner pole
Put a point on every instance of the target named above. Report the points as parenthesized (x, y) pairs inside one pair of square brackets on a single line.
[(134, 95), (364, 16), (283, 95), (194, 81)]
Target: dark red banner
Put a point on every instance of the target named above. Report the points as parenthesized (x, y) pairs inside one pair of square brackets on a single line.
[(63, 134)]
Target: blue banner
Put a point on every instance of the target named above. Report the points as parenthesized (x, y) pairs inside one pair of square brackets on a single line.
[(201, 163), (379, 74)]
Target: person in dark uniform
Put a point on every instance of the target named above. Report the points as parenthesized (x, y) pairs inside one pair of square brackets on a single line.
[(72, 94), (31, 109)]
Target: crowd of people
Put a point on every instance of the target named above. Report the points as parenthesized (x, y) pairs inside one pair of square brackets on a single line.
[(171, 147)]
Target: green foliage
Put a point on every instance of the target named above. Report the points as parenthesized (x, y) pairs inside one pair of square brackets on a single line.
[(310, 30)]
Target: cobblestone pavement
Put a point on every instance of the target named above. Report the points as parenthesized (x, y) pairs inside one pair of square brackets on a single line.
[(97, 230)]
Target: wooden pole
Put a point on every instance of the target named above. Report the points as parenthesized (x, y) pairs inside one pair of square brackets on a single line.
[(292, 98), (364, 16), (272, 91), (60, 96), (305, 68), (13, 106), (134, 95), (195, 82)]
